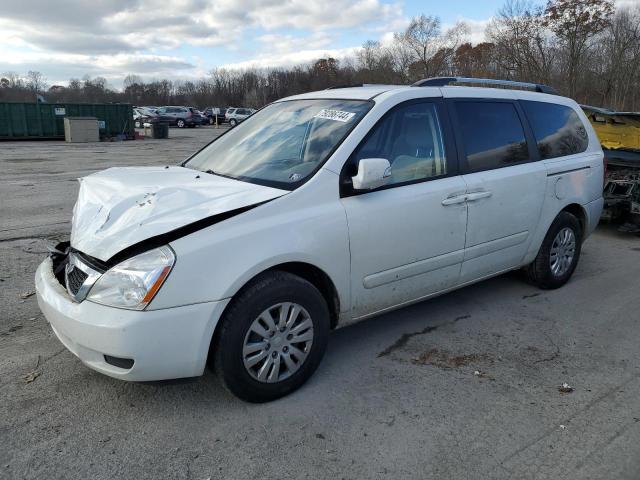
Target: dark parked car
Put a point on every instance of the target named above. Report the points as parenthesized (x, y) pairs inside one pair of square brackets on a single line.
[(204, 120), (180, 116), (213, 113)]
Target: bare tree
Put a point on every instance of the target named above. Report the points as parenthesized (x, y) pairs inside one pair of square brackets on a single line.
[(578, 46), (36, 81), (575, 23), (523, 48), (420, 39)]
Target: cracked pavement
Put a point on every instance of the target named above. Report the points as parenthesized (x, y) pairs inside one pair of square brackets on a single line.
[(463, 386)]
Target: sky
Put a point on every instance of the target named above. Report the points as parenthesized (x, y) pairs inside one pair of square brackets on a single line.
[(186, 39)]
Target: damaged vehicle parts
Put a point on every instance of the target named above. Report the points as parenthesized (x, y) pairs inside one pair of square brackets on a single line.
[(619, 134)]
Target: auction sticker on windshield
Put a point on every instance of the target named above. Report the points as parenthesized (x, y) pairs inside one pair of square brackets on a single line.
[(338, 115)]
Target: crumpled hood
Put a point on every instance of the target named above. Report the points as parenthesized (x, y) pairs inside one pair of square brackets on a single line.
[(120, 207)]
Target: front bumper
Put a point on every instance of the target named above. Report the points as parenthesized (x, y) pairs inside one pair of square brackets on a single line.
[(164, 344)]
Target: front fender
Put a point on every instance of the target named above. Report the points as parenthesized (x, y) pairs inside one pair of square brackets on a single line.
[(214, 263)]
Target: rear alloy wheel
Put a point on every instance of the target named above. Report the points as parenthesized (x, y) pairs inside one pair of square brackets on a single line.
[(180, 123), (271, 338), (233, 122), (559, 253)]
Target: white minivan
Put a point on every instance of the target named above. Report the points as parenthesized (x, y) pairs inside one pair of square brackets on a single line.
[(318, 211)]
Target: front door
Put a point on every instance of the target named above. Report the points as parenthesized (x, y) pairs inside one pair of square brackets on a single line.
[(406, 238)]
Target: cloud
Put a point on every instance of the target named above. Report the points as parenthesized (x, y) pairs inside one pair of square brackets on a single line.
[(291, 59), (476, 29), (624, 4), (100, 26), (59, 67), (118, 37)]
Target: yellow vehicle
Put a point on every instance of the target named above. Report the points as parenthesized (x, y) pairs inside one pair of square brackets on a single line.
[(619, 134)]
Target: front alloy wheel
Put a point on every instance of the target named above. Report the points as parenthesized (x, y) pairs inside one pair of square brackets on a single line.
[(278, 342), (272, 337)]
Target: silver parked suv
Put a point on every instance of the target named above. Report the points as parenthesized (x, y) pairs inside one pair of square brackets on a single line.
[(235, 115)]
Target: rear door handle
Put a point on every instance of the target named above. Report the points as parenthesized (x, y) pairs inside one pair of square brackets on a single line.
[(454, 199), (477, 195)]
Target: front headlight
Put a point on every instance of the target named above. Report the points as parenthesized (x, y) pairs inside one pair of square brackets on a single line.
[(133, 283)]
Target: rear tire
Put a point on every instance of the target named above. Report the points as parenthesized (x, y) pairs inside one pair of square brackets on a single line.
[(278, 318), (180, 123), (559, 253), (233, 122)]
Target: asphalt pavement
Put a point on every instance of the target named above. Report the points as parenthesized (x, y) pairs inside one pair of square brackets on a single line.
[(464, 386)]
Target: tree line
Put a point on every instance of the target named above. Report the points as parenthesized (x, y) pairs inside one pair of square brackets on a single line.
[(586, 49)]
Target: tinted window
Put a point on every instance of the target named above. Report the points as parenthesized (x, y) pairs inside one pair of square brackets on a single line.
[(557, 128), (492, 134), (409, 137)]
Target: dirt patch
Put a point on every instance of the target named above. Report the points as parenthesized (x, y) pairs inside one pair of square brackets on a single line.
[(532, 295), (405, 337), (443, 359)]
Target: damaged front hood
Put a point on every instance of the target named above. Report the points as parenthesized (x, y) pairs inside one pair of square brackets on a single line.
[(120, 207)]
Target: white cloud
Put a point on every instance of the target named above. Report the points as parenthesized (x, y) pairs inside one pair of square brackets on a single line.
[(112, 38), (627, 3), (100, 26), (476, 29), (291, 59)]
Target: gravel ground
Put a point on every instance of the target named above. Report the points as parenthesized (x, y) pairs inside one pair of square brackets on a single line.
[(464, 386)]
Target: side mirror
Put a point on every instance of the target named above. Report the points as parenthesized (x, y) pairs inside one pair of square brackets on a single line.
[(372, 173)]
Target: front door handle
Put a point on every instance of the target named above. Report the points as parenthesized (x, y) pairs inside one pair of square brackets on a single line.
[(454, 199), (477, 195)]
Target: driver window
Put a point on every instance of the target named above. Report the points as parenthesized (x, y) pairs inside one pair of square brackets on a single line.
[(409, 137)]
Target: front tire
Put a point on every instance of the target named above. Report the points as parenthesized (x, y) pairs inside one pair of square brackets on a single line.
[(272, 337), (180, 123), (559, 253)]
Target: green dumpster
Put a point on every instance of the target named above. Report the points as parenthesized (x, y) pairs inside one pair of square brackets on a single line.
[(46, 120)]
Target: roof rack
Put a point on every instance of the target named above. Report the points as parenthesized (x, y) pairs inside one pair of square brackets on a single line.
[(443, 81), (347, 85), (335, 87)]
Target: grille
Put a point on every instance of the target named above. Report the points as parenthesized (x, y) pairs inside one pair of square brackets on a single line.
[(75, 279)]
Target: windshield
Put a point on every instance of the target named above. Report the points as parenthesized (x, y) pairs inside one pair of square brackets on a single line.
[(282, 144)]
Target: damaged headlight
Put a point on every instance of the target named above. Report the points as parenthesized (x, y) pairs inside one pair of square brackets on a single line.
[(133, 283)]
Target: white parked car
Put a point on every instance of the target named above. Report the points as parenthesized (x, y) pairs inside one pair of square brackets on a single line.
[(318, 211), (236, 115)]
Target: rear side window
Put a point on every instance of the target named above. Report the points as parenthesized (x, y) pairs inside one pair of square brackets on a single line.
[(557, 128), (492, 134)]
